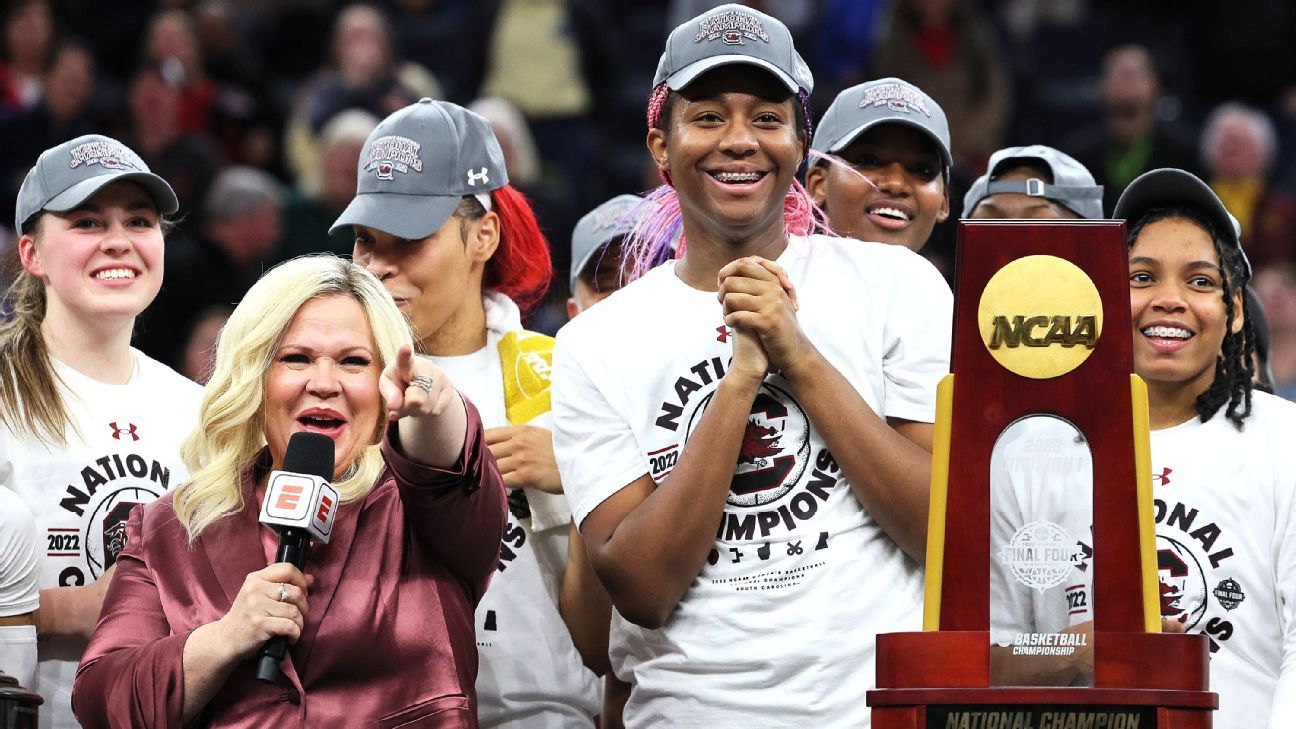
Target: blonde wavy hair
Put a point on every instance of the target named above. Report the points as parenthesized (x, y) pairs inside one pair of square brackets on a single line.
[(231, 422)]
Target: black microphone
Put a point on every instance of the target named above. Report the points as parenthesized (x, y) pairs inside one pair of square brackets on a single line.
[(300, 504)]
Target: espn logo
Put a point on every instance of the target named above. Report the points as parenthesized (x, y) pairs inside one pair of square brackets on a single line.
[(300, 501)]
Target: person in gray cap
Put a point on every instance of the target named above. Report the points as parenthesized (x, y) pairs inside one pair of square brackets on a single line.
[(1222, 447), (744, 431), (882, 163), (1035, 182), (436, 220), (596, 252), (90, 219)]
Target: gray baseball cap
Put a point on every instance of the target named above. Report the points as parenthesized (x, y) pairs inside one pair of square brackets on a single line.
[(597, 228), (1073, 186), (883, 101), (1169, 187), (732, 34), (66, 176), (418, 164)]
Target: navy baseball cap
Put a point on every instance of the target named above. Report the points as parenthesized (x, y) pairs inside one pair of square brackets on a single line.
[(1073, 186), (882, 101), (418, 164), (1169, 187), (66, 176), (732, 34), (597, 228)]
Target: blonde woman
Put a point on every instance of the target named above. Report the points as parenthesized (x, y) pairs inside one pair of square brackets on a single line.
[(89, 426), (380, 621)]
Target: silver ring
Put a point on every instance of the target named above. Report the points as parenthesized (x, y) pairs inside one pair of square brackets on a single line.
[(422, 382), (283, 592)]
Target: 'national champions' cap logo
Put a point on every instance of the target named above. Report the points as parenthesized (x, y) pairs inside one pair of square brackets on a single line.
[(389, 155), (731, 27), (108, 155), (896, 98)]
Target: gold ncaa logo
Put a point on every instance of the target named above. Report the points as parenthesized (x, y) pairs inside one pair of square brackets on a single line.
[(1040, 316)]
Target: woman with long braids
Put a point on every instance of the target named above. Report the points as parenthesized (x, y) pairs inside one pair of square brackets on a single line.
[(743, 432), (1223, 466)]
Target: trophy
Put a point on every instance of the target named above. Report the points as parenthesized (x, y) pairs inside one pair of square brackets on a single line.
[(1041, 608), (17, 705)]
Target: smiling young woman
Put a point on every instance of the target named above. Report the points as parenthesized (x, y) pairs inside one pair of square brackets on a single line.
[(1222, 449), (768, 381), (90, 426), (881, 163)]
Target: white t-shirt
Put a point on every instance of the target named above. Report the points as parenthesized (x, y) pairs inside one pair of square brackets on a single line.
[(1226, 552), (127, 453), (778, 629), (19, 592), (530, 674)]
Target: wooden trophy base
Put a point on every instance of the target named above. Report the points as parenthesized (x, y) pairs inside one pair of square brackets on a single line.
[(1142, 681)]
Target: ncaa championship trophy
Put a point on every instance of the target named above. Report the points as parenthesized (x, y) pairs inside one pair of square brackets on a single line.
[(1042, 608)]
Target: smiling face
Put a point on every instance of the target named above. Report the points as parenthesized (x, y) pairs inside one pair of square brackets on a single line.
[(101, 261), (1177, 304), (323, 378), (890, 189), (732, 148)]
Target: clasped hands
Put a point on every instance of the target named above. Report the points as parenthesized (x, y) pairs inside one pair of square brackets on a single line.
[(760, 306)]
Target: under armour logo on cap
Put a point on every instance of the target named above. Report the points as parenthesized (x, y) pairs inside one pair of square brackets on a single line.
[(481, 176)]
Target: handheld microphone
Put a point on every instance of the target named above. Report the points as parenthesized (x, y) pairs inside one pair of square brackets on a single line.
[(301, 505)]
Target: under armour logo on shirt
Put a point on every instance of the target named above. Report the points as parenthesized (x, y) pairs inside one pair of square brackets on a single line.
[(723, 333), (118, 432), (475, 177), (1163, 478)]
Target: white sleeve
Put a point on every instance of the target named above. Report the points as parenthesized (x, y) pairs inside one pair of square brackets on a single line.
[(594, 444), (19, 556), (548, 511), (1283, 712), (917, 340)]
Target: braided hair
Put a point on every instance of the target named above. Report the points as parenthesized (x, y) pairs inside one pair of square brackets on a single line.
[(1235, 366)]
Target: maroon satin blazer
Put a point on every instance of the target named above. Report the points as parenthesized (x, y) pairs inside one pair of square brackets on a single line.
[(389, 641)]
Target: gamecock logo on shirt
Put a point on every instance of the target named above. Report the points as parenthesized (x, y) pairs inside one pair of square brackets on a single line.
[(775, 448)]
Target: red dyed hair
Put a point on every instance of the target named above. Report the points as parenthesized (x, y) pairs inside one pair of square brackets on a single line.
[(520, 268)]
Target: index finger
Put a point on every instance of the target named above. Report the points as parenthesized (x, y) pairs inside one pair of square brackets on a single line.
[(285, 572), (748, 266), (404, 364), (783, 279), (500, 434)]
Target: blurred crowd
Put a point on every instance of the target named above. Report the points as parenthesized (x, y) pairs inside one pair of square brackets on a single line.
[(256, 110)]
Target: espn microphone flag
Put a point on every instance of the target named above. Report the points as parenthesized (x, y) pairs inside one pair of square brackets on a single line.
[(301, 505), (300, 500)]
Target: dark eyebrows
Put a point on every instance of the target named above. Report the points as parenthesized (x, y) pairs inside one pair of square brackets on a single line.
[(307, 349), (1194, 265)]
